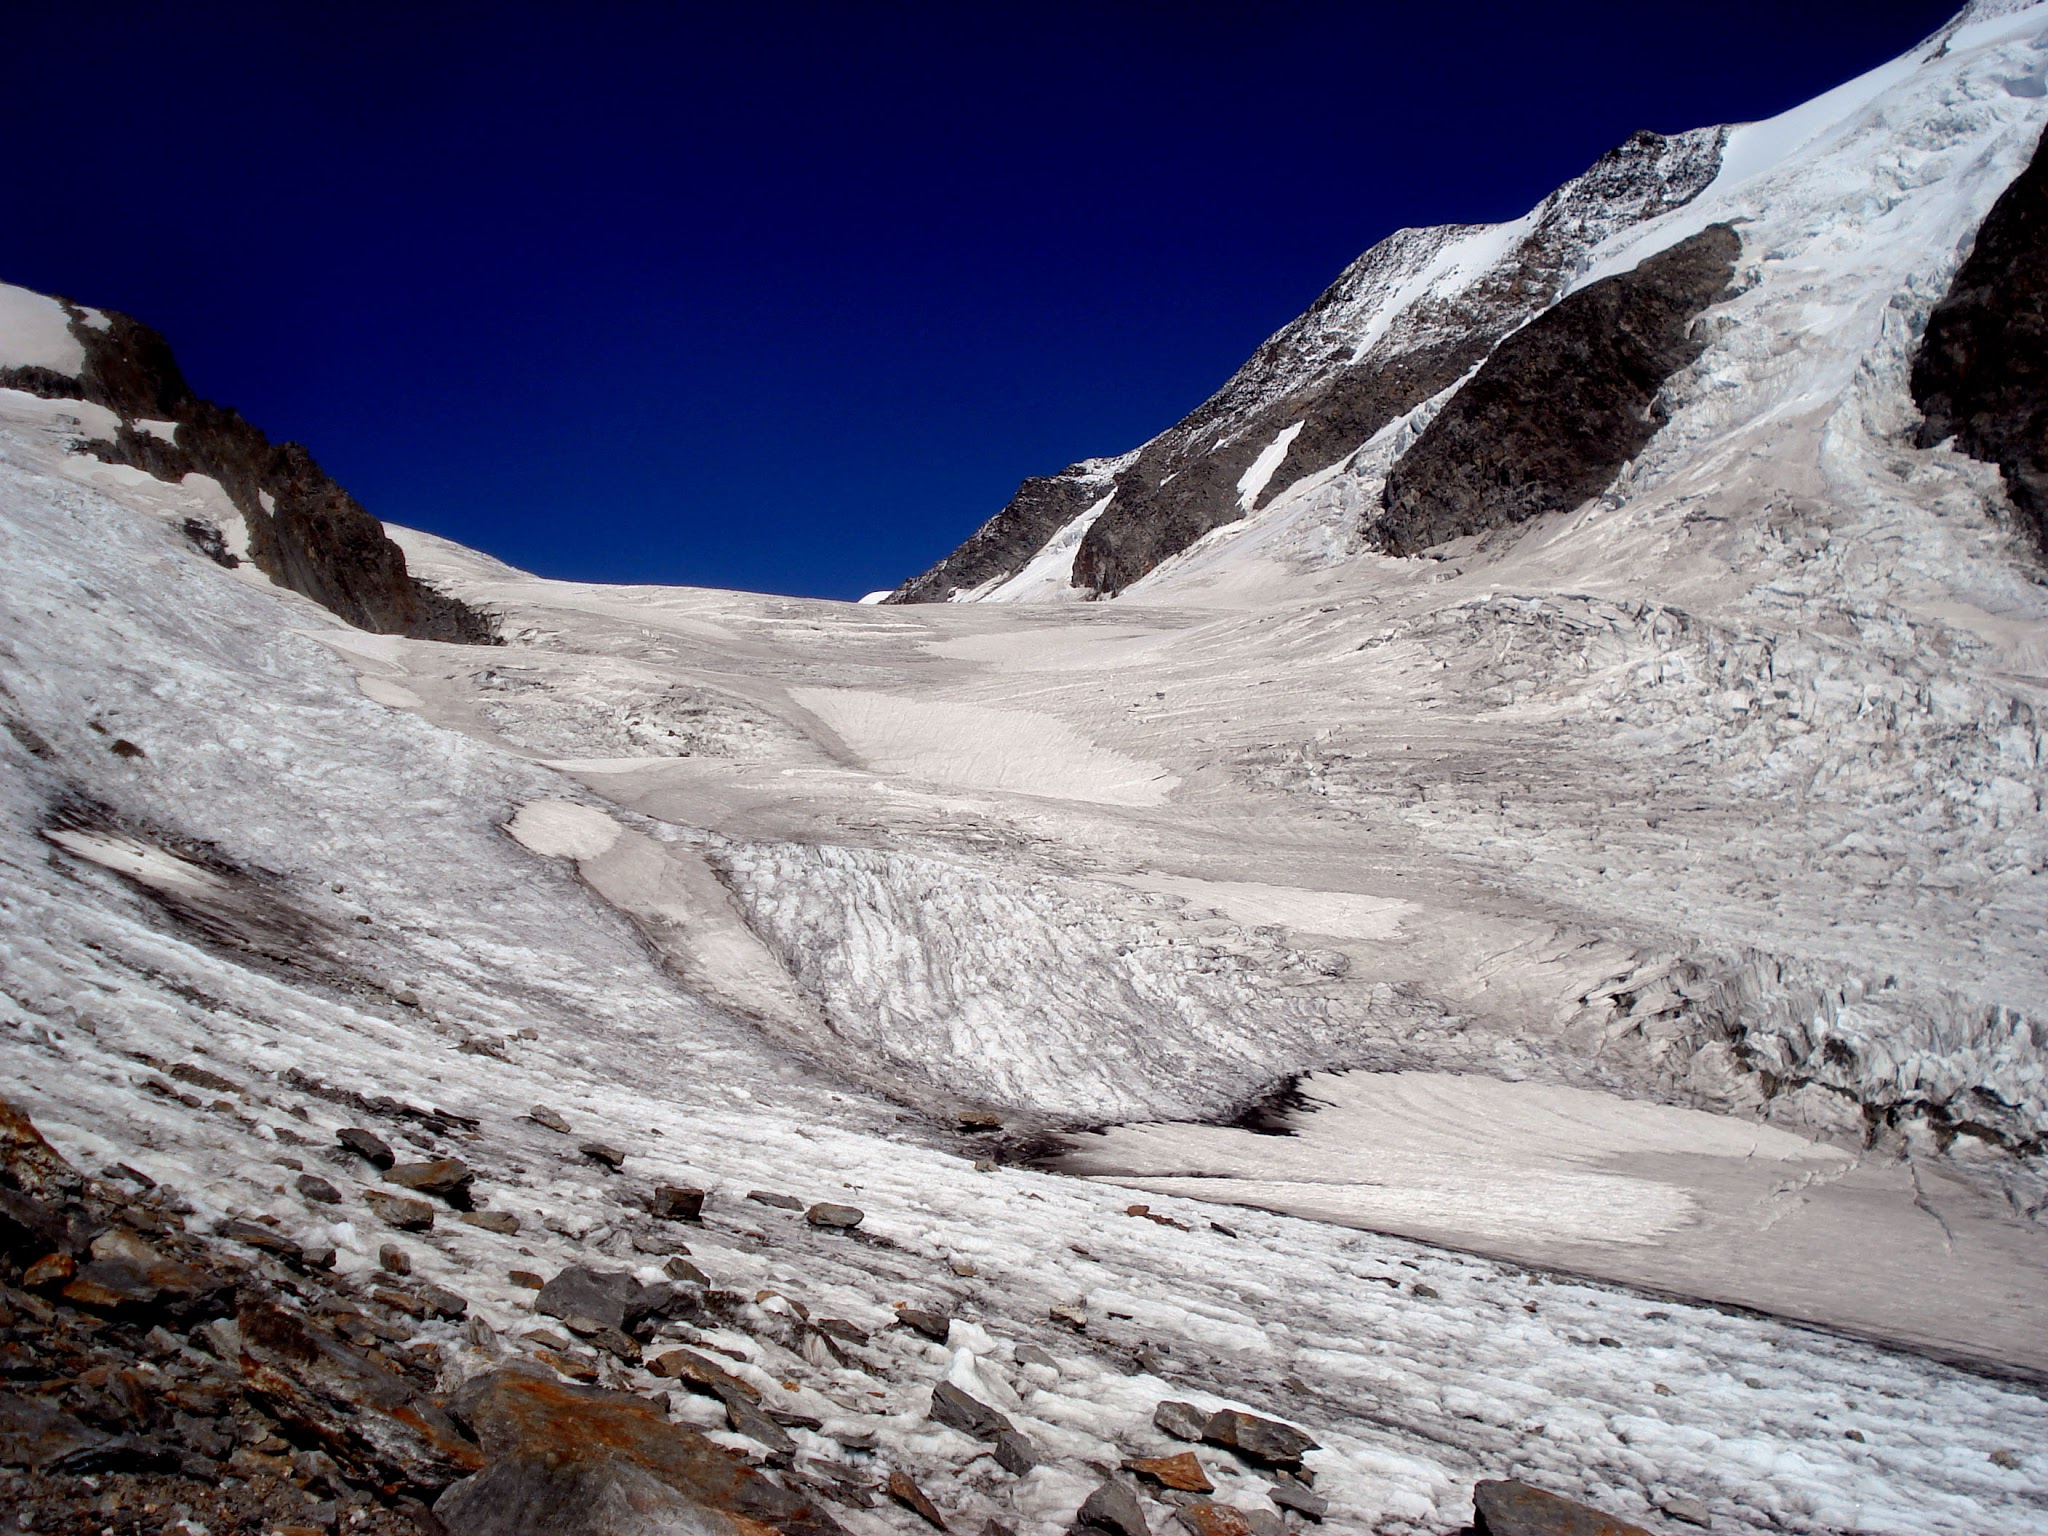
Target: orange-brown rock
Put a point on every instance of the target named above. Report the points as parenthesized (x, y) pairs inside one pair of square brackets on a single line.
[(1183, 1472)]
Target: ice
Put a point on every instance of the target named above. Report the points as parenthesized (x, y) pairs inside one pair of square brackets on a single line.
[(1651, 900)]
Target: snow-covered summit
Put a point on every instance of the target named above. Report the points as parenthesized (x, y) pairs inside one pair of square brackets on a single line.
[(1852, 207)]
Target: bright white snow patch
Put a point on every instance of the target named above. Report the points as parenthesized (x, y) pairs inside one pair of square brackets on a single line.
[(877, 597), (561, 829), (139, 861), (975, 747), (1253, 480), (36, 333), (166, 430), (1050, 572)]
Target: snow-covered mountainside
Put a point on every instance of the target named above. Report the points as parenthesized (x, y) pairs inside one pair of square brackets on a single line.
[(1581, 775)]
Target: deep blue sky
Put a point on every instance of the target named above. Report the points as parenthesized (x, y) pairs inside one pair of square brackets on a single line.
[(786, 296)]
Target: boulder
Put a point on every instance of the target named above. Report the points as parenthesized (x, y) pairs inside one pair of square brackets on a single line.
[(1183, 1421), (312, 1187), (1304, 1501), (1264, 1442), (838, 1217), (779, 1202), (1509, 1507), (1113, 1507), (400, 1211), (446, 1178), (578, 1461), (701, 1375), (676, 1202), (1182, 1472), (127, 1276), (603, 1152), (367, 1145), (609, 1298), (956, 1410), (912, 1498), (540, 1114), (936, 1326), (504, 1223), (1014, 1453)]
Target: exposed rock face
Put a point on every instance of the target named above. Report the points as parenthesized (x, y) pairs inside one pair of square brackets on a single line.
[(1404, 322), (572, 1459), (1004, 544), (305, 531), (1981, 374), (1561, 405)]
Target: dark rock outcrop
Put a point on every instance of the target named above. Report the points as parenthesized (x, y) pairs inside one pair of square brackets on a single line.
[(1381, 340), (305, 532), (1561, 405), (1981, 374), (1004, 544), (572, 1460)]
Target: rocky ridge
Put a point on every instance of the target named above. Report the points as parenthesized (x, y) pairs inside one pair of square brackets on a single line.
[(303, 530)]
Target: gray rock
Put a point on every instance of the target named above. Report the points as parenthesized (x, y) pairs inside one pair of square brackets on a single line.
[(1113, 1507), (936, 1326), (609, 1298), (394, 1260), (367, 1145), (956, 1410), (841, 1217), (312, 1187), (445, 1178), (1183, 1421), (1680, 1506), (1015, 1453), (780, 1202), (1507, 1507), (1289, 1494), (603, 1152), (1264, 1442), (502, 1222), (400, 1211), (676, 1202), (746, 1419), (540, 1114)]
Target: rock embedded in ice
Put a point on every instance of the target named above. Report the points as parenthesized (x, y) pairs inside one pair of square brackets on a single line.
[(1183, 1421), (1266, 1442), (400, 1211), (1507, 1507), (957, 1410), (367, 1145), (603, 1152), (1181, 1471), (1115, 1508), (839, 1217), (779, 1202), (502, 1222), (1014, 1452), (912, 1497), (1680, 1507), (611, 1298), (317, 1189), (449, 1178), (1290, 1494), (936, 1326), (676, 1202), (540, 1114)]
